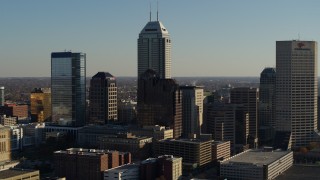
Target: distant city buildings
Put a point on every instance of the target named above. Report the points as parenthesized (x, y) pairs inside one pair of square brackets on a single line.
[(40, 105), (159, 102), (68, 88), (127, 112), (192, 110), (154, 50), (297, 90), (103, 98), (15, 110)]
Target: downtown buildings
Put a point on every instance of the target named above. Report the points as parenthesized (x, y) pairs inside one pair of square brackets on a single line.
[(40, 105), (68, 88)]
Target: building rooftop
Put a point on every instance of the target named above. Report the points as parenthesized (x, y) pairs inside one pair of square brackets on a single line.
[(193, 141), (154, 27), (123, 168), (256, 157), (14, 172)]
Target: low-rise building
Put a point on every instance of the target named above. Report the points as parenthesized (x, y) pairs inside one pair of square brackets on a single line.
[(78, 163), (194, 152), (8, 120), (17, 174), (157, 132), (256, 164)]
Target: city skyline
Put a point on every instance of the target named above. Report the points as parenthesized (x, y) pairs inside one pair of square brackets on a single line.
[(209, 38)]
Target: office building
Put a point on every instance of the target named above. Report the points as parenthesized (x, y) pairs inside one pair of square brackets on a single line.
[(8, 120), (154, 50), (103, 98), (17, 110), (5, 146), (40, 105), (249, 97), (192, 110), (127, 112), (18, 174), (194, 152), (267, 104), (229, 122), (159, 102), (256, 164), (157, 132), (2, 100), (68, 88), (220, 150), (297, 90)]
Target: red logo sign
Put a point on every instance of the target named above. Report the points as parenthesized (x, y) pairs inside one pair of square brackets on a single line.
[(300, 45)]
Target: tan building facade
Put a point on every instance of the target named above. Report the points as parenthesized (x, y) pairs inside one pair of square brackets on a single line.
[(40, 104)]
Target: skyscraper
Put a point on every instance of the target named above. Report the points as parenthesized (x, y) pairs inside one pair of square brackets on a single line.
[(154, 49), (249, 97), (103, 98), (40, 104), (2, 96), (68, 88), (159, 102), (267, 94), (297, 90), (192, 110)]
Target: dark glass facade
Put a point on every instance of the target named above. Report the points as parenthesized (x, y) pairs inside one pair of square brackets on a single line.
[(159, 102), (68, 88)]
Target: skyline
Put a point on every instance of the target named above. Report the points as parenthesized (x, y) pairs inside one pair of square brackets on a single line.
[(210, 38)]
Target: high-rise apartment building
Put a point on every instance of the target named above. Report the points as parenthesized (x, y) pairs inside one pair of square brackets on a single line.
[(103, 98), (154, 49), (192, 110), (40, 104), (267, 104), (297, 89), (249, 97), (159, 102), (68, 88), (2, 100)]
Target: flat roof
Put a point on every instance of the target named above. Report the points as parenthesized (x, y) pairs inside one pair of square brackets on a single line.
[(191, 141), (123, 168), (15, 172), (256, 157)]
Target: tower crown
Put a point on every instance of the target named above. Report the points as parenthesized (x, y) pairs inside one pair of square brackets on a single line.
[(154, 27)]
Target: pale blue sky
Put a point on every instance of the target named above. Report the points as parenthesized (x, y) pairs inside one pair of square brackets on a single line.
[(209, 37)]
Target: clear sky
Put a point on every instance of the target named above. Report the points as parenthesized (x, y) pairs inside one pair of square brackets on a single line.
[(209, 37)]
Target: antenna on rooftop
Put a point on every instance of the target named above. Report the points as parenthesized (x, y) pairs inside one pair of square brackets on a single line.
[(157, 10), (150, 12)]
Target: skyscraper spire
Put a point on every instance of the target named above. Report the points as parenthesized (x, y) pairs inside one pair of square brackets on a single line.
[(157, 10), (150, 13)]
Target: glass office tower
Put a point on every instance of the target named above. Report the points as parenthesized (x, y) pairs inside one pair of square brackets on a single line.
[(68, 88)]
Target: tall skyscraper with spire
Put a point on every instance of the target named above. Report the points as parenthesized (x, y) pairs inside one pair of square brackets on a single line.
[(154, 49), (297, 90)]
